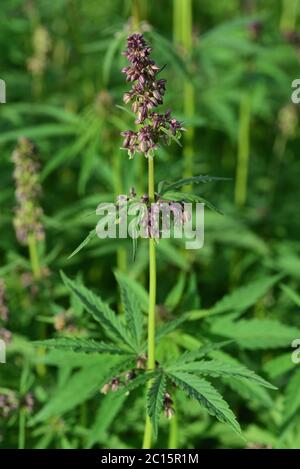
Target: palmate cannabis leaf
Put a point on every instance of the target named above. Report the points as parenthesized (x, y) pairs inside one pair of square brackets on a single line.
[(207, 396)]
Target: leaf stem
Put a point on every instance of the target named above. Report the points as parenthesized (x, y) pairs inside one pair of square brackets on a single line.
[(152, 302)]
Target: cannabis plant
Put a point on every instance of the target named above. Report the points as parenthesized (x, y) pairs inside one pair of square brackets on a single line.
[(139, 366)]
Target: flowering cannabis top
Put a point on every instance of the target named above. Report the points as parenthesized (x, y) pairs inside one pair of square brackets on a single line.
[(146, 94), (28, 212)]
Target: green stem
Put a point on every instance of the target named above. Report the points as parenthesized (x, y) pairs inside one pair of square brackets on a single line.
[(177, 21), (183, 36), (22, 429), (152, 302), (136, 15), (243, 152), (34, 258), (288, 20)]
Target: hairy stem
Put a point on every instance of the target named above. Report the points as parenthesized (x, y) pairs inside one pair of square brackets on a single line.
[(152, 303)]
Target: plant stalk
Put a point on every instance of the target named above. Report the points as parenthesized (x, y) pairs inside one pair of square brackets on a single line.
[(152, 302), (288, 20), (183, 36)]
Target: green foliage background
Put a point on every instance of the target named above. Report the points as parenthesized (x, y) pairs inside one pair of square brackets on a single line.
[(61, 62)]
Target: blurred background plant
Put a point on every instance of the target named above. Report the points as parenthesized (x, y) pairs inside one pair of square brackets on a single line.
[(230, 68)]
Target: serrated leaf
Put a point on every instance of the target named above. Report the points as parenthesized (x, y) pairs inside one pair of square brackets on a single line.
[(279, 365), (99, 431), (292, 398), (176, 293), (81, 345), (291, 294), (100, 311), (78, 389), (133, 313), (246, 296), (250, 391), (188, 181), (190, 198), (256, 333), (218, 368), (139, 291), (155, 399), (110, 54), (89, 237), (190, 356), (169, 327), (207, 396)]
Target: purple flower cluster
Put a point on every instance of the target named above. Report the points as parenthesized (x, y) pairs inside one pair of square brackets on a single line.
[(154, 217), (125, 378), (28, 212), (147, 93), (10, 402)]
